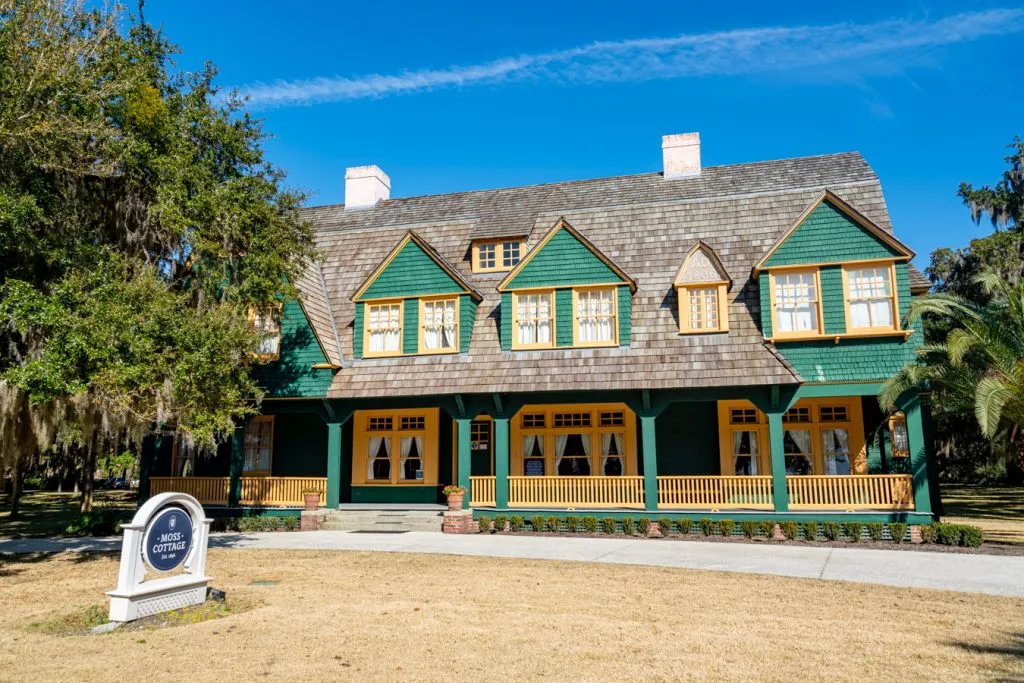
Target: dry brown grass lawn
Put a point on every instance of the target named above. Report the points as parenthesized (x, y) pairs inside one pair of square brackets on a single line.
[(378, 616), (998, 510)]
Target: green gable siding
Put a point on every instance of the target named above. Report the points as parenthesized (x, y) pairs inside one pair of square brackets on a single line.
[(505, 320), (292, 374), (410, 326), (357, 332), (763, 288), (467, 318), (829, 235), (411, 273), (833, 301), (562, 261), (625, 316), (563, 317)]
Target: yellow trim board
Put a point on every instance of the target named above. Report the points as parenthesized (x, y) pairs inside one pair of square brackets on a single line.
[(499, 253), (801, 334), (560, 224), (894, 305), (614, 341), (683, 304), (366, 327), (593, 432), (421, 349), (516, 346), (361, 438)]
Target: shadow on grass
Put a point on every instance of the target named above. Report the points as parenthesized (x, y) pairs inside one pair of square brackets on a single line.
[(77, 557), (1012, 652), (48, 513)]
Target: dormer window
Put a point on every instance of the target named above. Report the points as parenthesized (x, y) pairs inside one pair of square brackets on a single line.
[(383, 333), (492, 256), (268, 325), (702, 287)]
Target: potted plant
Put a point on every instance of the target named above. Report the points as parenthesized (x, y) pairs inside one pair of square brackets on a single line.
[(455, 495), (311, 498)]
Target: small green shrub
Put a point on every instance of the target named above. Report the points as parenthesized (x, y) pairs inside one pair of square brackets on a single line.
[(609, 525), (927, 533), (95, 523), (768, 529), (685, 526), (853, 530), (247, 524), (499, 522), (34, 483), (707, 526), (665, 525), (291, 523), (572, 524), (810, 531), (897, 530), (628, 525), (590, 524), (970, 536), (537, 522), (516, 523), (875, 530), (948, 534), (643, 526), (790, 530), (484, 523), (554, 524), (831, 530), (726, 526), (748, 528)]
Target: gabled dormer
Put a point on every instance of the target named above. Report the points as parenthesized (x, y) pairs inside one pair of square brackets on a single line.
[(702, 286), (414, 302), (565, 293)]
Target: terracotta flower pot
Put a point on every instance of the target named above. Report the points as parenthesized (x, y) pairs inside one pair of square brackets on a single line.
[(455, 501), (311, 500)]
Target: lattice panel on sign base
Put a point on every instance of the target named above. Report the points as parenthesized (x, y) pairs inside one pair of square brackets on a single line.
[(163, 603)]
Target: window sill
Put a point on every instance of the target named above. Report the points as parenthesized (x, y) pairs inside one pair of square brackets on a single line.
[(839, 337), (690, 333)]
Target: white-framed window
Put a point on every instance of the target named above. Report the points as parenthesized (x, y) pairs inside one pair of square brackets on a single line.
[(870, 298), (596, 317), (795, 303), (383, 329), (439, 325), (268, 325), (533, 318), (259, 445)]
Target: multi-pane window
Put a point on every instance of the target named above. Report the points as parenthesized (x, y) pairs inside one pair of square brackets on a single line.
[(869, 298), (399, 448), (496, 255), (534, 320), (585, 440), (738, 416), (480, 435), (595, 316), (702, 308), (572, 419), (534, 420), (383, 329), (898, 436), (533, 455), (796, 303), (612, 419), (268, 325), (834, 414), (439, 326), (259, 445)]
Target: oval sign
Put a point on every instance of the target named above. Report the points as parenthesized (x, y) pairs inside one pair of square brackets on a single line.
[(168, 539)]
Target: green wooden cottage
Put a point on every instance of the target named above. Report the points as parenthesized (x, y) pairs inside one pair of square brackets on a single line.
[(695, 341)]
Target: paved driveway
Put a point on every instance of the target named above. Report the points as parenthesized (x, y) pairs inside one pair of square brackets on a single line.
[(971, 573)]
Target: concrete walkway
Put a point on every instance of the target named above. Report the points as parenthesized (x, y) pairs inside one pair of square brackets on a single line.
[(992, 574)]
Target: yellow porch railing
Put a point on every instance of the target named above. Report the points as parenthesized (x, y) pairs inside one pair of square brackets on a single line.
[(481, 491), (622, 492), (207, 490), (280, 491), (851, 492), (753, 493)]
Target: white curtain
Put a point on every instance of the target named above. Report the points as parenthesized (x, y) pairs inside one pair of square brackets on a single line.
[(837, 451), (374, 450), (860, 315), (802, 439), (560, 441), (881, 312), (744, 445), (607, 440), (407, 450), (406, 446), (529, 442), (448, 326)]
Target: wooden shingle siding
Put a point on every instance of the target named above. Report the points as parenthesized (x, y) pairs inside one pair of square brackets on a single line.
[(411, 273), (564, 315), (833, 307), (828, 235), (764, 296), (625, 315), (505, 314), (410, 326), (564, 260), (467, 318), (357, 331), (293, 374)]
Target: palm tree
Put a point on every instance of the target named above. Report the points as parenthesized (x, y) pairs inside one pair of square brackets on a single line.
[(979, 369)]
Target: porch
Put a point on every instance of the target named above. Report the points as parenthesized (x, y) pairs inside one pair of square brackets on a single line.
[(285, 492)]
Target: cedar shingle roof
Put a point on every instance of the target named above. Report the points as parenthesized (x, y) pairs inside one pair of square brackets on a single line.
[(646, 224)]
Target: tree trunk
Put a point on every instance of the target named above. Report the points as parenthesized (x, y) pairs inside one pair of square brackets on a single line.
[(17, 483), (88, 472)]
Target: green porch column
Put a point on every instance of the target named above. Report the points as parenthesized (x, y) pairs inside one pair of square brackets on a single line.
[(501, 463), (778, 455), (918, 453), (333, 464), (236, 465), (464, 456), (650, 462)]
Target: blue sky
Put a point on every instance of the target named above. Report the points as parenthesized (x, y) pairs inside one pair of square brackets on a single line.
[(482, 95)]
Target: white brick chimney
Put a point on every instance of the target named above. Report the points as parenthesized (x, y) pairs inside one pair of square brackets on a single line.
[(365, 186), (681, 155)]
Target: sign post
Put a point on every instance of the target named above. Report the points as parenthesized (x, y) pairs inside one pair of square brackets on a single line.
[(170, 530)]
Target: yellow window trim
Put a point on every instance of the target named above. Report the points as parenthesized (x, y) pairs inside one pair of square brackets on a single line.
[(802, 334), (421, 334), (893, 298), (251, 317), (515, 320), (627, 429), (499, 254), (361, 439), (270, 468), (575, 316), (366, 327), (682, 295), (854, 427)]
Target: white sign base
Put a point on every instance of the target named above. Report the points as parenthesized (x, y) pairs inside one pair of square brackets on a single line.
[(135, 597)]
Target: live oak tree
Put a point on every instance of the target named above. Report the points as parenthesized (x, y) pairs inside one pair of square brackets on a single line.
[(139, 223)]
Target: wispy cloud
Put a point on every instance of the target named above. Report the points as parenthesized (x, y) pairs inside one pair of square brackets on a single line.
[(854, 50)]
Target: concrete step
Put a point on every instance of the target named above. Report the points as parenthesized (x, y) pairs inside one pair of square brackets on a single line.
[(382, 520)]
